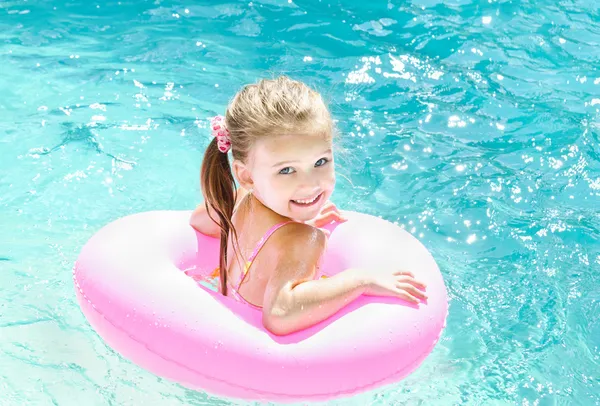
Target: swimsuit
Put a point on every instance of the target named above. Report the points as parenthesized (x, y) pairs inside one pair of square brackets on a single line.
[(235, 289)]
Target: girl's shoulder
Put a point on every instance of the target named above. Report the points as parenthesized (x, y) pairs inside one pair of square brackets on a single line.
[(282, 233), (301, 238)]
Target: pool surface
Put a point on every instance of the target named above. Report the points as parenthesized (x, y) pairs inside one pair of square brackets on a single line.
[(474, 124)]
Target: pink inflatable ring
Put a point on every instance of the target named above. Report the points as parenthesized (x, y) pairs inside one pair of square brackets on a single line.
[(131, 286)]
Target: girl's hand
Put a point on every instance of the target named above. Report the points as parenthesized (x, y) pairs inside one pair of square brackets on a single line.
[(400, 284), (328, 214)]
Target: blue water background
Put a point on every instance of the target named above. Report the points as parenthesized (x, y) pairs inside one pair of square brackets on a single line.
[(474, 124)]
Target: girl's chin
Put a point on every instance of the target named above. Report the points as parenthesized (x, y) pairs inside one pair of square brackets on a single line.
[(305, 215)]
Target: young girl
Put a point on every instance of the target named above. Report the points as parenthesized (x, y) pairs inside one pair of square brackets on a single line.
[(279, 133)]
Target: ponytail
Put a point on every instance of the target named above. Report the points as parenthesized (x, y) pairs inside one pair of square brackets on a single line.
[(218, 186)]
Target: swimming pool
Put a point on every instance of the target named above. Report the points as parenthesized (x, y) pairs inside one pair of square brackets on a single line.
[(473, 124)]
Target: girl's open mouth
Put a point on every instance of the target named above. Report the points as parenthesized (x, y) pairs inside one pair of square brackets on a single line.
[(308, 202)]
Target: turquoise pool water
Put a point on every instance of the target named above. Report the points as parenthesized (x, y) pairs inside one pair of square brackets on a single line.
[(474, 124)]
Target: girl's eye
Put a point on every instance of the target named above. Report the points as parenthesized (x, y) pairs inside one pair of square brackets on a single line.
[(321, 162), (286, 171)]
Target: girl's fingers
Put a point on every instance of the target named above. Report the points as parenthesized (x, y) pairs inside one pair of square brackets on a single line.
[(404, 273), (327, 207), (411, 290), (327, 218), (408, 277), (417, 283), (330, 207), (407, 296)]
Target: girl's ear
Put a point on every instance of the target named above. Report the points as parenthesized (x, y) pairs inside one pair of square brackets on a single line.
[(243, 175)]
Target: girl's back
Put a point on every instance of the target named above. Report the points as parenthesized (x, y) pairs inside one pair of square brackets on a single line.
[(260, 235), (253, 223)]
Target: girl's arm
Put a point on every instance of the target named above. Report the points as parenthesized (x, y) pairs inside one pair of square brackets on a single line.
[(294, 300), (201, 221)]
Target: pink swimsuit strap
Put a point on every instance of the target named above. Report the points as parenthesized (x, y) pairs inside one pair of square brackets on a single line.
[(257, 249), (265, 237)]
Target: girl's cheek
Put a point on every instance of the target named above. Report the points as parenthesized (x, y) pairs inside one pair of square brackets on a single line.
[(279, 185), (331, 179)]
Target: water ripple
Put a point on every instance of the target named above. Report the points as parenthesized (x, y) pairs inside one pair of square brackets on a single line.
[(473, 125)]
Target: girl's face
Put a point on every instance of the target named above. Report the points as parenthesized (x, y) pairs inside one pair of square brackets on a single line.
[(293, 175)]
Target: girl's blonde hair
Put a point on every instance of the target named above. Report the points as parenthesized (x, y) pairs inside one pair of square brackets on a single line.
[(264, 109)]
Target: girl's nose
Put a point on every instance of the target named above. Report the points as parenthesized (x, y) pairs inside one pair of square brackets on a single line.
[(309, 184)]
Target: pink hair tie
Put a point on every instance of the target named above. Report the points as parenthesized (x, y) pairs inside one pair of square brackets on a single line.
[(217, 124)]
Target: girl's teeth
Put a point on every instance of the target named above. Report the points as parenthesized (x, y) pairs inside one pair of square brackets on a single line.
[(306, 201)]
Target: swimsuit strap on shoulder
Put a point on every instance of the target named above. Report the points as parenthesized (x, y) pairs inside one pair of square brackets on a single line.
[(264, 239), (257, 249)]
